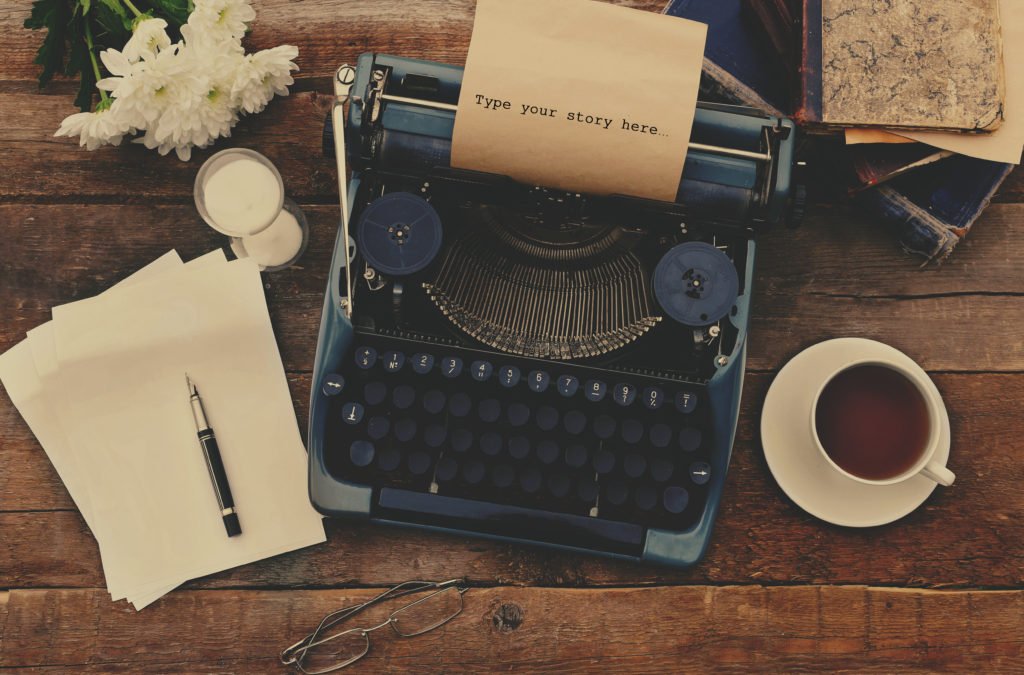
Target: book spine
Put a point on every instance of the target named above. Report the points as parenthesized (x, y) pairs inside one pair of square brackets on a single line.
[(808, 107)]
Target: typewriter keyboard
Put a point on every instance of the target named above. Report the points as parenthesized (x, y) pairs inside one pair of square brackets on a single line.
[(592, 444)]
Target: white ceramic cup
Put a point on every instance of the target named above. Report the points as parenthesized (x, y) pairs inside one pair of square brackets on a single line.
[(926, 465)]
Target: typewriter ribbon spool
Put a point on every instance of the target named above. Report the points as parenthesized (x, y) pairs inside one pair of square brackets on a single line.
[(399, 234), (696, 283)]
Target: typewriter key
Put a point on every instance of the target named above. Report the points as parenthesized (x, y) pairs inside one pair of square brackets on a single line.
[(519, 447), (433, 402), (539, 381), (361, 453), (374, 393), (675, 499), (422, 363), (399, 234), (378, 427), (689, 439), (696, 284), (389, 459), (333, 384), (447, 468), (700, 472)]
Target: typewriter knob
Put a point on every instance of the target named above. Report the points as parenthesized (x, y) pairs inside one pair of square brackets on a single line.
[(696, 284), (399, 233)]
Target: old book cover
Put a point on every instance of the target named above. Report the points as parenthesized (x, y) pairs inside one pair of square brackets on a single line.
[(910, 64), (876, 163)]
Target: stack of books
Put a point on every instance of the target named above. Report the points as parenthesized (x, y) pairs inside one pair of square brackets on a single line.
[(926, 96)]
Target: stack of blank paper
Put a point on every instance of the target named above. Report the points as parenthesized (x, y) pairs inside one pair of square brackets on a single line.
[(102, 386)]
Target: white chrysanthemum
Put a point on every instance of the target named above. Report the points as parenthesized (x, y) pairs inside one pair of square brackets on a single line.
[(94, 129), (148, 37), (221, 20), (145, 88), (264, 75)]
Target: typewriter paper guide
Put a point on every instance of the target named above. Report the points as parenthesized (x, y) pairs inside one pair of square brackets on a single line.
[(580, 96)]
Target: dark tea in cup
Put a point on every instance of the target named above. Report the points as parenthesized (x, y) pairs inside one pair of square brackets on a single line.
[(872, 422)]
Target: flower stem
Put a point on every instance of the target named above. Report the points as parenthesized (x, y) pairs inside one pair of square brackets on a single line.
[(92, 57), (135, 10)]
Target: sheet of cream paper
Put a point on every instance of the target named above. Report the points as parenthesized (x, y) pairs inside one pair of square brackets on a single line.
[(1006, 143), (21, 370), (580, 96), (122, 363)]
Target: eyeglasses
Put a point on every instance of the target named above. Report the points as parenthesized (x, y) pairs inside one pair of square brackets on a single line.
[(321, 652)]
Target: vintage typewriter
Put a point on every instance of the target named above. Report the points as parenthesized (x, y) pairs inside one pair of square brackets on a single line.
[(526, 364)]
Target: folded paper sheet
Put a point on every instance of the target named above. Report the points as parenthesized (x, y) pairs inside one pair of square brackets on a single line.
[(102, 387), (579, 95)]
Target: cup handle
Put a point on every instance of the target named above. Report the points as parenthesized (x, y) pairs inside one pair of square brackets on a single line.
[(938, 473)]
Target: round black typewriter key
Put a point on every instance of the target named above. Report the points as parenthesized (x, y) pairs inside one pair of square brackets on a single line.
[(530, 480), (634, 465), (374, 393), (361, 453), (378, 427), (586, 490), (462, 439), (403, 396), (508, 376), (576, 455), (447, 469), (518, 414), (332, 385), (624, 394), (473, 472), (405, 430), (433, 402), (700, 472), (616, 492), (388, 459), (418, 463), (434, 435), (352, 413), (460, 404), (519, 447), (604, 427), (604, 461), (490, 443), (366, 357), (489, 410), (686, 401), (632, 431), (653, 398), (422, 363), (689, 439), (568, 385), (502, 475), (546, 418), (574, 422), (538, 380), (675, 499), (451, 367), (595, 390), (548, 451), (660, 435), (559, 484), (393, 361), (661, 469), (481, 370), (645, 497)]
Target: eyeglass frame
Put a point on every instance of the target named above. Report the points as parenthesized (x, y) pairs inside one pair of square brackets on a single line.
[(294, 655)]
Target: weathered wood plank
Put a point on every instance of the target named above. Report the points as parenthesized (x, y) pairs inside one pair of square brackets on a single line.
[(967, 535), (731, 629), (836, 276)]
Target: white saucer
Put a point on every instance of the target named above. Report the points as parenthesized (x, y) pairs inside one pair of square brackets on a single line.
[(798, 466)]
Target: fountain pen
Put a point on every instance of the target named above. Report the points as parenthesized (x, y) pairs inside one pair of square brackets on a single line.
[(214, 463)]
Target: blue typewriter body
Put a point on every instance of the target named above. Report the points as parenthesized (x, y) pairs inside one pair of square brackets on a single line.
[(428, 410)]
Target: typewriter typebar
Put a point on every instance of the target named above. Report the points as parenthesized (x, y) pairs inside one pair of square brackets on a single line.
[(527, 364)]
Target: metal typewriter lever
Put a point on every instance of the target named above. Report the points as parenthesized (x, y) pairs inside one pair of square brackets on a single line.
[(343, 80)]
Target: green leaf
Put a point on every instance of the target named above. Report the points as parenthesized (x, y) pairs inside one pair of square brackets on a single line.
[(54, 16), (106, 9), (115, 29), (79, 62), (175, 11)]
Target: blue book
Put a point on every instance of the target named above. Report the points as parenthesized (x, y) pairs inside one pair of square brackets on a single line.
[(934, 207), (739, 64)]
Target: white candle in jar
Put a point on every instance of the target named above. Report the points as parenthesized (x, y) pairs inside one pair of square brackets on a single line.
[(242, 195), (278, 244)]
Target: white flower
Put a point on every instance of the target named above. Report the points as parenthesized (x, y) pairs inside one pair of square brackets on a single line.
[(145, 88), (148, 37), (94, 129), (263, 75), (220, 20)]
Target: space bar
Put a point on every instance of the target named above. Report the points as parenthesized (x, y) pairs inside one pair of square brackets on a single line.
[(510, 521)]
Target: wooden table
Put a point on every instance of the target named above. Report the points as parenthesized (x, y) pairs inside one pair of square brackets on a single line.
[(778, 590)]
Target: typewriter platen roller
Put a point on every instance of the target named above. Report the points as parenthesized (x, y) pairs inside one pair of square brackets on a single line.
[(525, 363)]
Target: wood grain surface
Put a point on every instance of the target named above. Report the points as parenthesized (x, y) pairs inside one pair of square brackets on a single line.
[(779, 591)]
